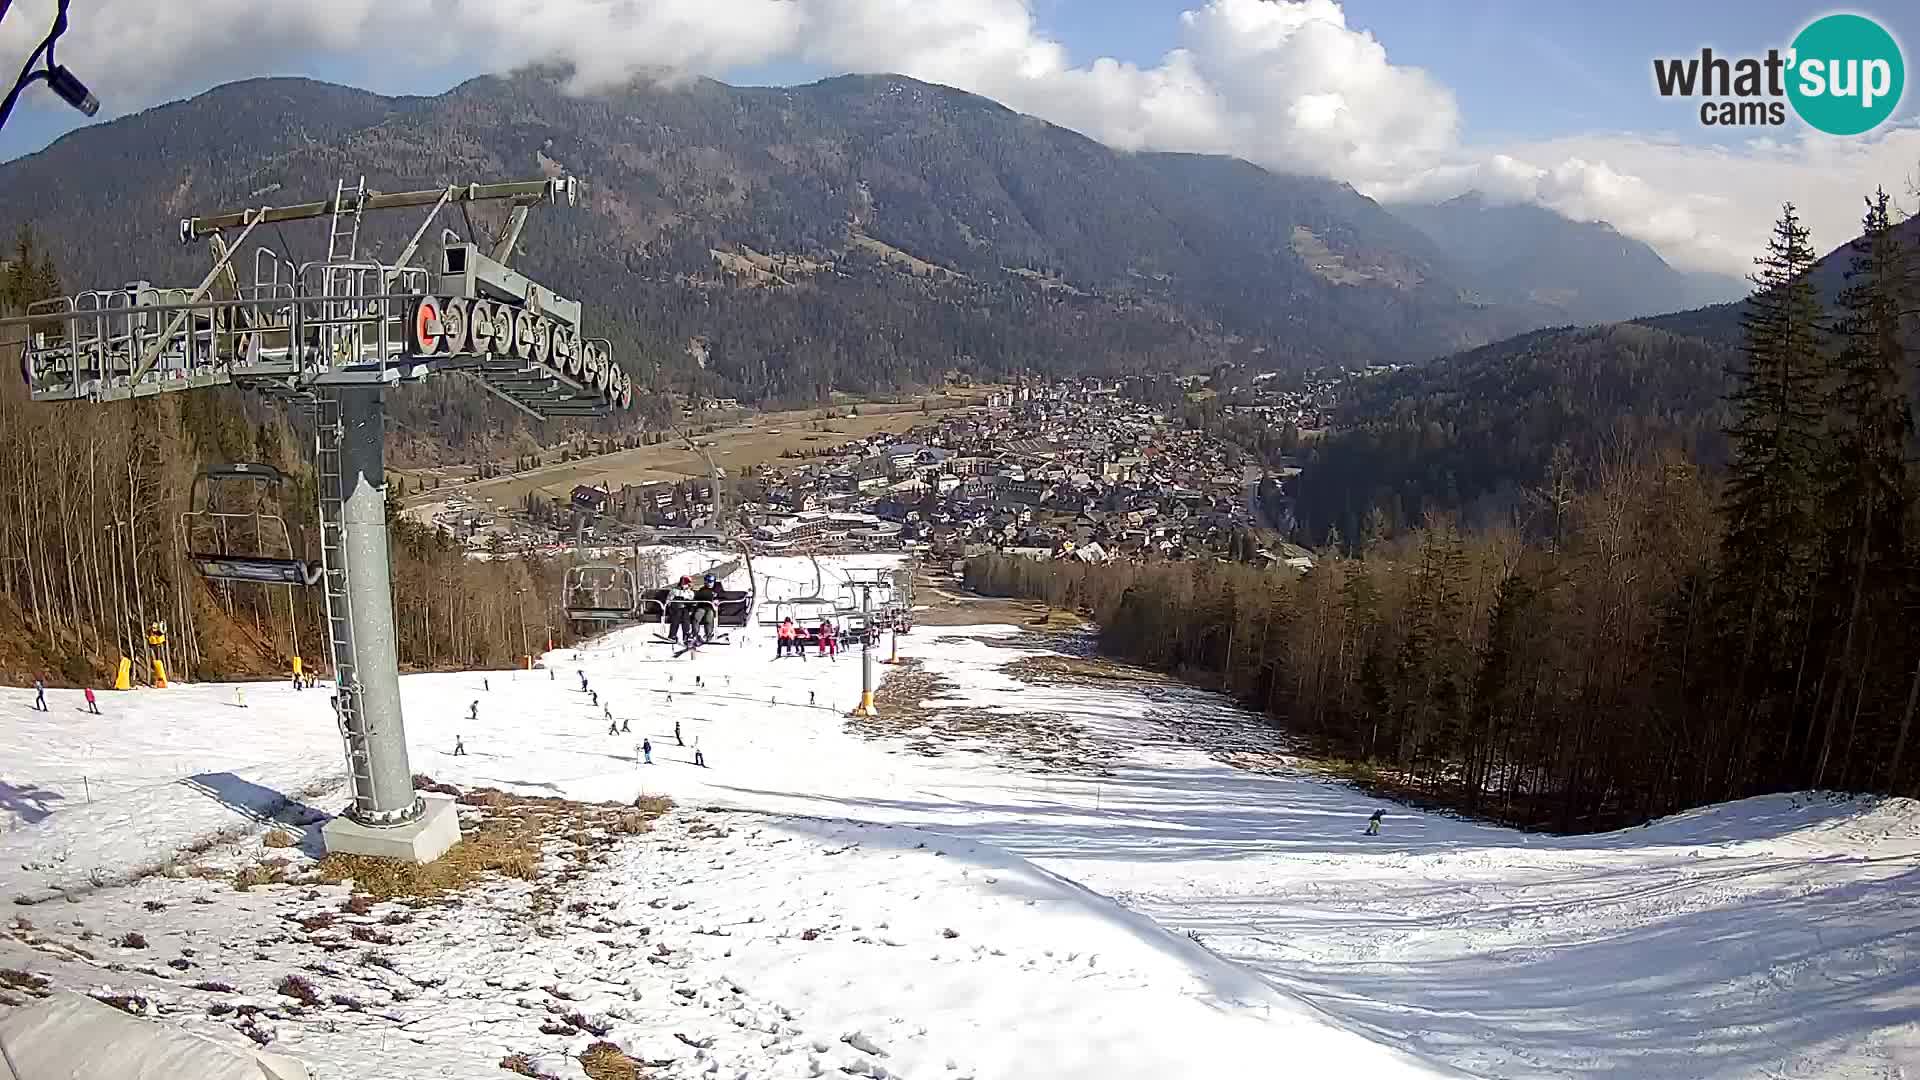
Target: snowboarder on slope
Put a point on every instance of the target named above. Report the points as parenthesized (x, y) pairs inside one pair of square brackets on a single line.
[(473, 711), (459, 747), (646, 747), (1373, 823), (676, 734), (39, 696), (92, 705)]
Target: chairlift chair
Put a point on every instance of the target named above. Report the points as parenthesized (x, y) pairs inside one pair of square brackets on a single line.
[(206, 532), (600, 594)]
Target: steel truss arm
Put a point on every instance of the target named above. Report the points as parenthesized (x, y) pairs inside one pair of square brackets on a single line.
[(561, 191)]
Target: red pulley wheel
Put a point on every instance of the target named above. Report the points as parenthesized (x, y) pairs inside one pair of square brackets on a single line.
[(427, 338)]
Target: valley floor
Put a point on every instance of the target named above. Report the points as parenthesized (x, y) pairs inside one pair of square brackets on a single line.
[(1026, 867)]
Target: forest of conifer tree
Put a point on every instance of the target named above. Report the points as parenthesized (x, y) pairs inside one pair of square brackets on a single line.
[(1662, 633)]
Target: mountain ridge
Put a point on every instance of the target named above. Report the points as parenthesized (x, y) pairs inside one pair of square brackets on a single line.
[(864, 232), (1589, 272)]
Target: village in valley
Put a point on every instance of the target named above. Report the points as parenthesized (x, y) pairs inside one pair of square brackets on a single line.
[(1084, 469)]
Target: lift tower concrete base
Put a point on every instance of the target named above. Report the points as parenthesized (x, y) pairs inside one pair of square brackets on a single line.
[(329, 337)]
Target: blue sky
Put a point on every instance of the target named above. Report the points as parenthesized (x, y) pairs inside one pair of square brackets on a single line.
[(1520, 70), (1553, 100)]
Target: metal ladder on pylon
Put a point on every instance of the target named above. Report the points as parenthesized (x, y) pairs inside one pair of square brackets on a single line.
[(327, 437), (343, 232), (341, 340)]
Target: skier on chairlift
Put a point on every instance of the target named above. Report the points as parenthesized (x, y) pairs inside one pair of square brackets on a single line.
[(707, 612), (678, 615)]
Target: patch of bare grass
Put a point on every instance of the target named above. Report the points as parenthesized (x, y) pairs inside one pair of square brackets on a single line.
[(300, 990), (423, 782), (25, 981), (502, 836), (266, 872), (605, 1061), (1045, 741), (128, 1003), (653, 805), (522, 1064), (279, 838)]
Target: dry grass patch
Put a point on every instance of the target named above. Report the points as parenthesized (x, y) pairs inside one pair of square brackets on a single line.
[(1081, 670), (1045, 741), (269, 872), (605, 1061), (501, 836), (522, 1064), (279, 838), (300, 990), (27, 981)]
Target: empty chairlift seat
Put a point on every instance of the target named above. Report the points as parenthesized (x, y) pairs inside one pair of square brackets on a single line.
[(246, 542), (600, 594)]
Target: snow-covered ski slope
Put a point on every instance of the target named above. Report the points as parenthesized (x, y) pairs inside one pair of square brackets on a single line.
[(1161, 915)]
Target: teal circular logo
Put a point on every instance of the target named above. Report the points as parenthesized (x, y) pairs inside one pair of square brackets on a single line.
[(1847, 74)]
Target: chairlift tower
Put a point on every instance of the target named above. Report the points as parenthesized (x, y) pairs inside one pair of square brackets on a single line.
[(329, 337), (866, 587)]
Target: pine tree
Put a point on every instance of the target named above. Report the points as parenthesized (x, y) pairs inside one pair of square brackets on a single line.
[(1771, 539), (1864, 475), (1495, 684)]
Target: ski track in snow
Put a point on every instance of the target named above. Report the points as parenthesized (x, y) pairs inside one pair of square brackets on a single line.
[(822, 903)]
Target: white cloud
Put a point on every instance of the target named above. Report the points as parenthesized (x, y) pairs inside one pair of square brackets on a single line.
[(1284, 83), (1703, 207)]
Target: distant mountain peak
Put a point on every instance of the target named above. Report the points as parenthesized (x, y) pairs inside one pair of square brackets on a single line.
[(1588, 270)]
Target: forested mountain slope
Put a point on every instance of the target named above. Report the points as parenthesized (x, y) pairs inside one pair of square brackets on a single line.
[(864, 232)]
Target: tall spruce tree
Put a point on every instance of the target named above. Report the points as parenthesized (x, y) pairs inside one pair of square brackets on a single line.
[(1771, 539), (1867, 488)]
